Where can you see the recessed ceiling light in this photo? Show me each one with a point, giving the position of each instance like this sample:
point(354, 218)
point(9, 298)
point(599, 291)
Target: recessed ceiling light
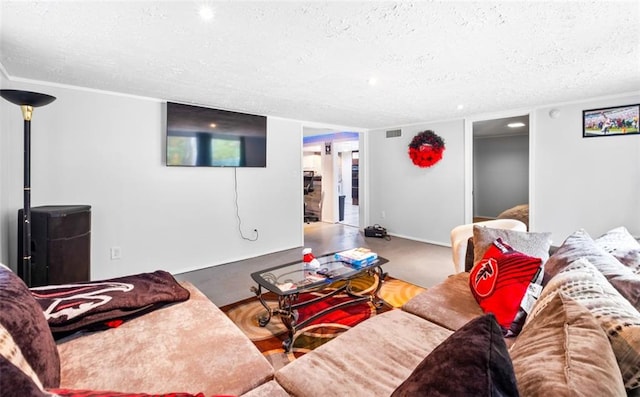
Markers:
point(515, 125)
point(460, 107)
point(373, 81)
point(213, 125)
point(206, 13)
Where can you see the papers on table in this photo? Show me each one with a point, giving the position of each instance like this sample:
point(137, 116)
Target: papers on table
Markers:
point(357, 257)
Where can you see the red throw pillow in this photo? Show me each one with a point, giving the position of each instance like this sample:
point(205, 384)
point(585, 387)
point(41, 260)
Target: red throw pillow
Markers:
point(506, 283)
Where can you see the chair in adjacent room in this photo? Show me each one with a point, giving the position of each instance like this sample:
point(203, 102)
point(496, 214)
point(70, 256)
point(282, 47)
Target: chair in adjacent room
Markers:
point(313, 213)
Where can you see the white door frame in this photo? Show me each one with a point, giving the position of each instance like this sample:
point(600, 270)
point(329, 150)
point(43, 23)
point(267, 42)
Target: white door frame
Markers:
point(468, 160)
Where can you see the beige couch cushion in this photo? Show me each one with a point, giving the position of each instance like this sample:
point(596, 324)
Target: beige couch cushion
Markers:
point(269, 389)
point(371, 359)
point(449, 304)
point(186, 347)
point(585, 284)
point(563, 351)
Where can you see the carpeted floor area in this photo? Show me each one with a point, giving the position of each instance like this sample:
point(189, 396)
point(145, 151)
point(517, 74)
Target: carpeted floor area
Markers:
point(268, 339)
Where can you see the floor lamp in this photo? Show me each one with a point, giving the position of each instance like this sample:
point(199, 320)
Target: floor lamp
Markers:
point(27, 101)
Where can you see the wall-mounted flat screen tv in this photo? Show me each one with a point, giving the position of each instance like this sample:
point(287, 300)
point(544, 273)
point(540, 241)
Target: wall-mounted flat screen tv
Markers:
point(204, 137)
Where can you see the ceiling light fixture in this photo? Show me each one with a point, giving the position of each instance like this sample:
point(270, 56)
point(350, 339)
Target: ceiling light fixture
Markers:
point(206, 13)
point(373, 81)
point(213, 125)
point(460, 107)
point(515, 125)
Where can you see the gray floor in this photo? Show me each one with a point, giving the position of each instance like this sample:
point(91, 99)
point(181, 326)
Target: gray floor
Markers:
point(419, 263)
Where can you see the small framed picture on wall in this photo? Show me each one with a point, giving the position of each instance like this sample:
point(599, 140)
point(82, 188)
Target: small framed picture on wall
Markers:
point(619, 120)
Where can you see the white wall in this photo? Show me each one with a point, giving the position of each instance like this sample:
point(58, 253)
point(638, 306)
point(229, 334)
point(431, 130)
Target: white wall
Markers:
point(590, 183)
point(106, 150)
point(346, 163)
point(329, 197)
point(500, 174)
point(419, 203)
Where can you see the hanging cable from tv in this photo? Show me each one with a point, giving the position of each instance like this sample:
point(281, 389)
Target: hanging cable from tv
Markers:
point(255, 231)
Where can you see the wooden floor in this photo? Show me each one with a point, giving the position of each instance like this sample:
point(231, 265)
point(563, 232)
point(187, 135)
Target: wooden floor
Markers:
point(419, 263)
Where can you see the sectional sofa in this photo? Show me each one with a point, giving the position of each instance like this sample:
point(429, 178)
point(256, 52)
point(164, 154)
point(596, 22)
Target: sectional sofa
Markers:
point(183, 347)
point(581, 337)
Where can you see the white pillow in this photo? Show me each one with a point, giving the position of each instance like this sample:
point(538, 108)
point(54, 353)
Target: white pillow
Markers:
point(622, 245)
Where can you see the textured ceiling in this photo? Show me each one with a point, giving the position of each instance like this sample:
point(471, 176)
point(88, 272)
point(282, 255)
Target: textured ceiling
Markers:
point(313, 60)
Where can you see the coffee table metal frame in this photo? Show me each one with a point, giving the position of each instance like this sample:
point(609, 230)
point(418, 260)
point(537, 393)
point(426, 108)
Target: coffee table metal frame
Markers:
point(331, 270)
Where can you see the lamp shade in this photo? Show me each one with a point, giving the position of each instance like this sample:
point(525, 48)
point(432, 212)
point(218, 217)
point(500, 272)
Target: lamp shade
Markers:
point(27, 98)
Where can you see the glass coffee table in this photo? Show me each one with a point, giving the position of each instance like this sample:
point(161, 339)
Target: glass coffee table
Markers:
point(288, 281)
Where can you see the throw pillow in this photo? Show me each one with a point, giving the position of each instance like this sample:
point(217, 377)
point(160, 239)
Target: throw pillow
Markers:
point(15, 383)
point(482, 368)
point(577, 356)
point(581, 245)
point(534, 244)
point(585, 284)
point(506, 283)
point(17, 378)
point(623, 246)
point(22, 317)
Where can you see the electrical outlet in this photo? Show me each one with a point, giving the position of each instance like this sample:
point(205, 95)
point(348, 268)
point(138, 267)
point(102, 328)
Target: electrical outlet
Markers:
point(116, 253)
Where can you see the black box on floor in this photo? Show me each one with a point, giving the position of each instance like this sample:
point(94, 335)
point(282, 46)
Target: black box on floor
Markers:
point(375, 231)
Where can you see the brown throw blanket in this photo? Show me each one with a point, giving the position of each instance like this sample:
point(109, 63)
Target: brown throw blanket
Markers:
point(98, 304)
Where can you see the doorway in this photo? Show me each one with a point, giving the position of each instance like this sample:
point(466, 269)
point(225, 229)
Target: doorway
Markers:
point(349, 185)
point(332, 157)
point(500, 162)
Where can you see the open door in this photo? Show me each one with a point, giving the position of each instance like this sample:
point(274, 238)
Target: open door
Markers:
point(500, 173)
point(331, 157)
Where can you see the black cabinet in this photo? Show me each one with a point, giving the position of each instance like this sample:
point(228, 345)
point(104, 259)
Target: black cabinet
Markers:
point(60, 244)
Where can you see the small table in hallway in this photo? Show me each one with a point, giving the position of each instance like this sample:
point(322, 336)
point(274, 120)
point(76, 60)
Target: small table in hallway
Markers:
point(288, 281)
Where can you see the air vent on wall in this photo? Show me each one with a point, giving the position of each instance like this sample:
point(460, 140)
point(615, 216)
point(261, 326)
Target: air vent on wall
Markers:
point(394, 133)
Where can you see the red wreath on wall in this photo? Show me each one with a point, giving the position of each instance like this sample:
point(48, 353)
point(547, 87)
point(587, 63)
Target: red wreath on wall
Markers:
point(426, 149)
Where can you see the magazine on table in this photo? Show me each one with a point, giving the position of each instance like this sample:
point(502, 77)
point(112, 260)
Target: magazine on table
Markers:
point(357, 257)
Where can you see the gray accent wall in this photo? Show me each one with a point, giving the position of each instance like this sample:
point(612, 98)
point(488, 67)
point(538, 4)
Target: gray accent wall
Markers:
point(500, 174)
